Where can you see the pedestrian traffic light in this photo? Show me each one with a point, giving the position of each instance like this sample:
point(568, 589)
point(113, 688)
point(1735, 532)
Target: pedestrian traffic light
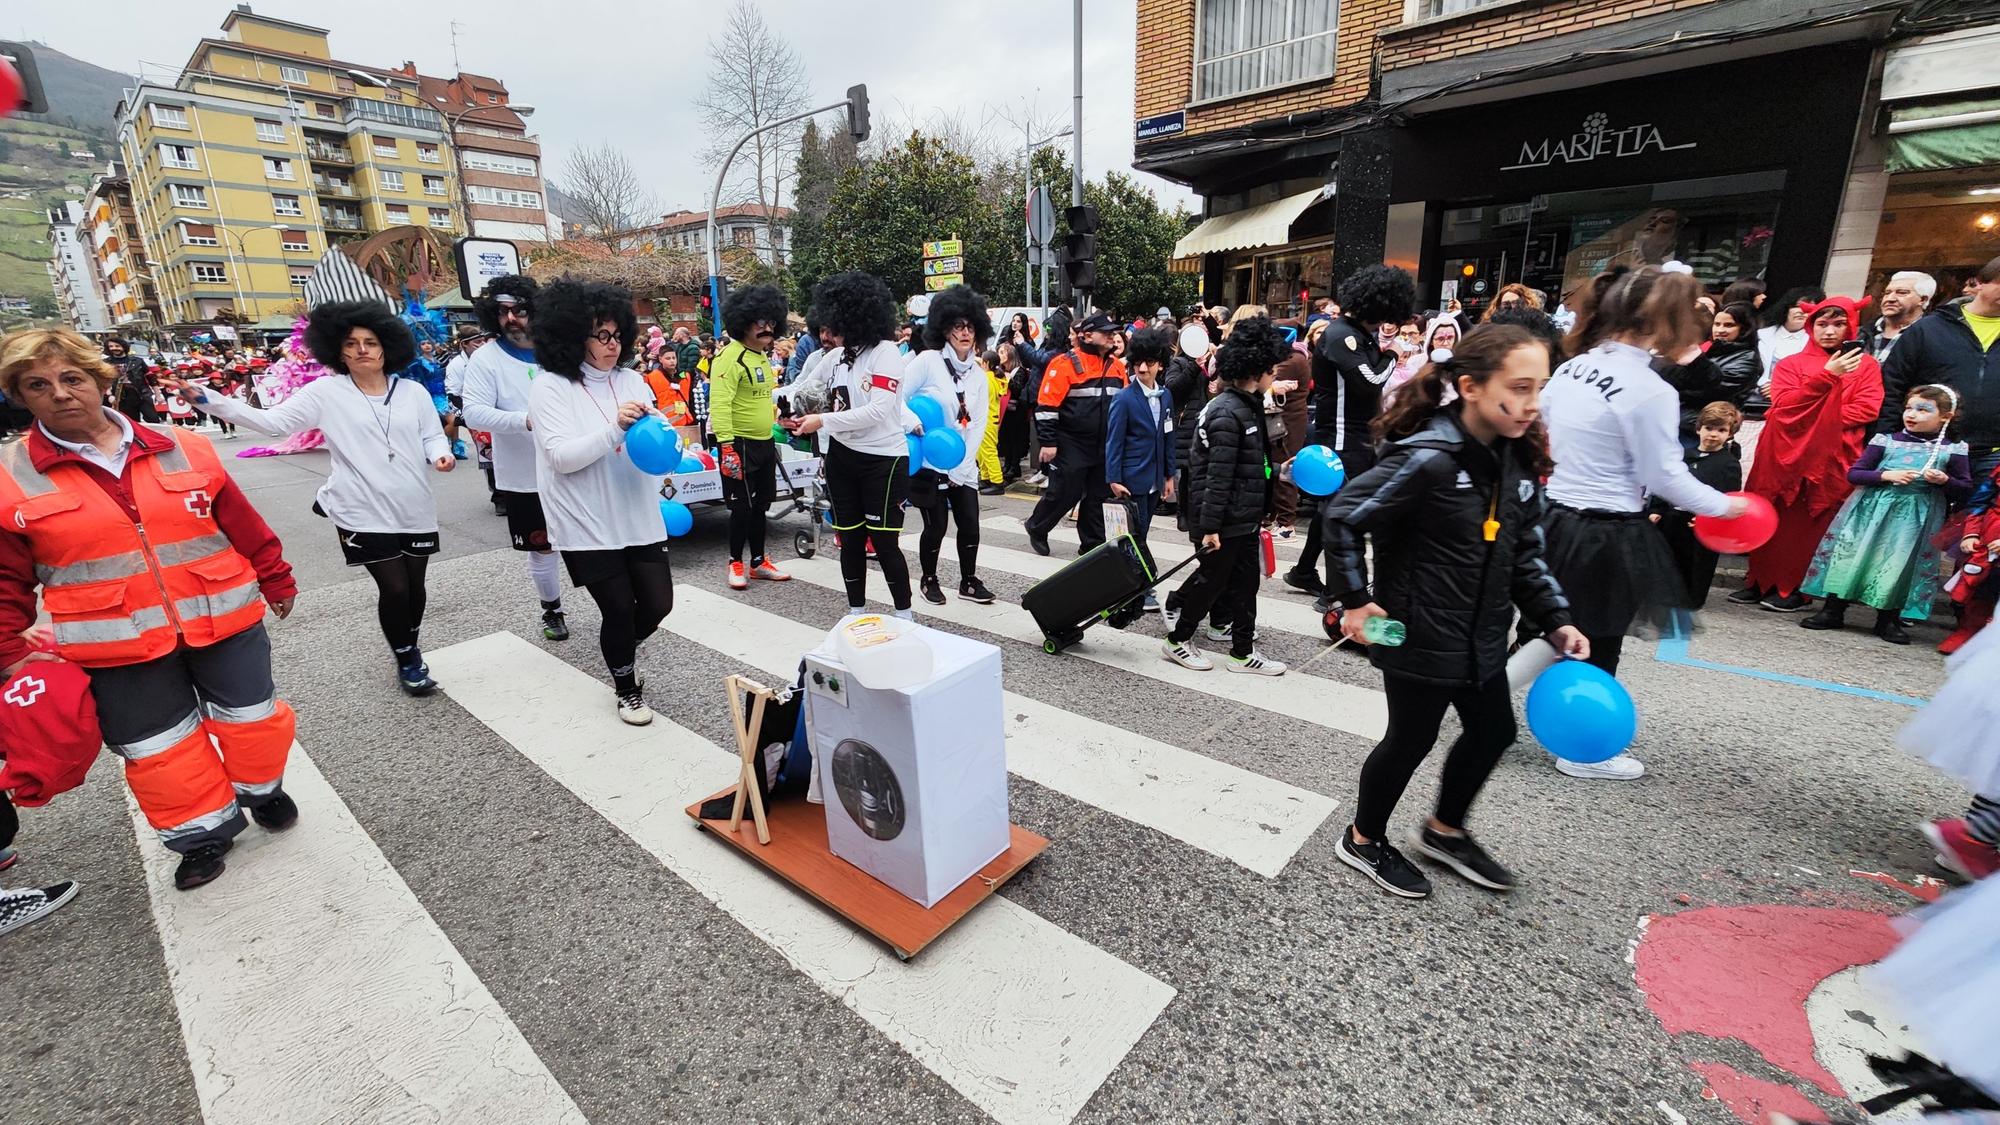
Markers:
point(857, 112)
point(29, 98)
point(1079, 249)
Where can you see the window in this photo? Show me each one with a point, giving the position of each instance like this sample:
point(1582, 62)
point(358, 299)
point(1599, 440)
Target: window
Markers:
point(286, 205)
point(276, 169)
point(193, 234)
point(498, 162)
point(414, 116)
point(433, 185)
point(190, 195)
point(342, 84)
point(273, 131)
point(440, 218)
point(393, 94)
point(209, 273)
point(1247, 45)
point(399, 214)
point(292, 74)
point(428, 154)
point(1431, 9)
point(506, 197)
point(742, 236)
point(386, 146)
point(301, 275)
point(323, 110)
point(391, 181)
point(169, 116)
point(177, 156)
point(294, 241)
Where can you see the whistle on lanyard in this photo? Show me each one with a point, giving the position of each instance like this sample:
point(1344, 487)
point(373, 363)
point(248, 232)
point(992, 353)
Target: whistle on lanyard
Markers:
point(1491, 528)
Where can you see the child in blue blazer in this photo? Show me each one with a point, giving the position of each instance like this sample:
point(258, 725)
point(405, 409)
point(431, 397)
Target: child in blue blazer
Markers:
point(1139, 438)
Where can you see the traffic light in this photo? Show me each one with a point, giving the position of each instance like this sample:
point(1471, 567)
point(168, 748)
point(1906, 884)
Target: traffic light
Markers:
point(30, 98)
point(857, 112)
point(1079, 249)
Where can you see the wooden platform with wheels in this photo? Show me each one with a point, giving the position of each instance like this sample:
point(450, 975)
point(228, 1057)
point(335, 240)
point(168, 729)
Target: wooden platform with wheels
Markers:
point(798, 854)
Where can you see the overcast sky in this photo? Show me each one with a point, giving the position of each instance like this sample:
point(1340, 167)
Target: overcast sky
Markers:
point(630, 72)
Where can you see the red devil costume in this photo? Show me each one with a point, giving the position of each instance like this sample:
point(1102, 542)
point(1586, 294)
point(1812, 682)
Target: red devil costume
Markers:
point(1813, 432)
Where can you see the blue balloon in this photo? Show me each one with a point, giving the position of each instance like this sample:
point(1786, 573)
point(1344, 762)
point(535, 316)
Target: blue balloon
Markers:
point(928, 411)
point(1581, 713)
point(689, 463)
point(653, 446)
point(943, 448)
point(1318, 472)
point(916, 445)
point(678, 516)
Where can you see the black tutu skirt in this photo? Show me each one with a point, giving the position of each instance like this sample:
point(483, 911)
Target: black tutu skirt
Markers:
point(1616, 570)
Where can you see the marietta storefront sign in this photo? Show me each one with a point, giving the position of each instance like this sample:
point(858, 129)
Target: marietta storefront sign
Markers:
point(1596, 140)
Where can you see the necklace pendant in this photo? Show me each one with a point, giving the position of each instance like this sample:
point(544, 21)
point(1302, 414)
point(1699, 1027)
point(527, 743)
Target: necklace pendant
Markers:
point(392, 455)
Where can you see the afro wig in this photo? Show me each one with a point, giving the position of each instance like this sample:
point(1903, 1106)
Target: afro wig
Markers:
point(1149, 345)
point(949, 307)
point(855, 306)
point(1378, 294)
point(328, 326)
point(1538, 324)
point(1253, 347)
point(747, 306)
point(568, 311)
point(514, 285)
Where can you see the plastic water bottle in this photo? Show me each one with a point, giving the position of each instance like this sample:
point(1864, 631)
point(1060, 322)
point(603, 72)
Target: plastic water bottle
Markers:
point(1385, 631)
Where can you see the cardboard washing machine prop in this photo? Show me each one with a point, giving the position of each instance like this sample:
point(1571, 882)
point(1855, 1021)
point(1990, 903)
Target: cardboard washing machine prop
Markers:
point(903, 829)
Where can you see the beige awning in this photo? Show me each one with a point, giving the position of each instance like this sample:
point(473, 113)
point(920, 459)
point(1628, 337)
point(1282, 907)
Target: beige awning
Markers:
point(1267, 224)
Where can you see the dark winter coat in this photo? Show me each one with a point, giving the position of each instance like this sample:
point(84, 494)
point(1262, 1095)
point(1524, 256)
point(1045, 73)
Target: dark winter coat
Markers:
point(1424, 506)
point(1724, 373)
point(1940, 348)
point(1139, 452)
point(1229, 478)
point(1349, 369)
point(1188, 384)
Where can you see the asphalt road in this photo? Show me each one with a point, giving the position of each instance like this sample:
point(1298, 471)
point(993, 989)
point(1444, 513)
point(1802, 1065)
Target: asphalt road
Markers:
point(493, 908)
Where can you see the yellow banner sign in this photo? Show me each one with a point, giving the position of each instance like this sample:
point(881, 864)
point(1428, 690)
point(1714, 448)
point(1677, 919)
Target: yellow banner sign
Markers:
point(950, 247)
point(942, 281)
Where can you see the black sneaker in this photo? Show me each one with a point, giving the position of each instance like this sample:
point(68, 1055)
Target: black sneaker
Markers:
point(1463, 855)
point(1305, 581)
point(1040, 543)
point(991, 489)
point(932, 592)
point(1889, 627)
point(1748, 595)
point(276, 814)
point(1832, 615)
point(1790, 603)
point(1381, 862)
point(200, 866)
point(499, 507)
point(973, 590)
point(554, 625)
point(20, 907)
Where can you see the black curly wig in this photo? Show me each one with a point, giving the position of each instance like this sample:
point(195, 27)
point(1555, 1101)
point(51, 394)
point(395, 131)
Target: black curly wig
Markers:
point(1538, 324)
point(567, 312)
point(513, 285)
point(857, 307)
point(1378, 294)
point(1149, 345)
point(951, 306)
point(745, 307)
point(1252, 348)
point(328, 326)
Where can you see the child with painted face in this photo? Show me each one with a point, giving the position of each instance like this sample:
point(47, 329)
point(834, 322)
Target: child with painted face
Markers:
point(1878, 551)
point(1453, 509)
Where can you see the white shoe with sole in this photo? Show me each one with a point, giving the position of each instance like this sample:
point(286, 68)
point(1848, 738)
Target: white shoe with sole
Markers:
point(1185, 655)
point(632, 709)
point(1624, 767)
point(1255, 665)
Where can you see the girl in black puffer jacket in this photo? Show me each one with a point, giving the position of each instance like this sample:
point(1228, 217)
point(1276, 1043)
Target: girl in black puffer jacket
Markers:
point(1453, 507)
point(1228, 494)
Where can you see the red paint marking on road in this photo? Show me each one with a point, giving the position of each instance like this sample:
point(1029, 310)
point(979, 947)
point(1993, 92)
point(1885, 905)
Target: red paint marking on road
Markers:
point(1753, 1099)
point(1744, 972)
point(1926, 887)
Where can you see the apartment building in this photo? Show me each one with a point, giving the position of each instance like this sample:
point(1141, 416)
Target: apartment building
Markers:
point(73, 270)
point(743, 226)
point(124, 275)
point(499, 163)
point(1482, 142)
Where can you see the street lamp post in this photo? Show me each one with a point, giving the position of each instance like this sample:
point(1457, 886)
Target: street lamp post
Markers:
point(243, 251)
point(458, 158)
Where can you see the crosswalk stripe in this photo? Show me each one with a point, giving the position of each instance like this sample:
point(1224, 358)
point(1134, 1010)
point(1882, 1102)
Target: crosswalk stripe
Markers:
point(1294, 615)
point(1244, 817)
point(1022, 1017)
point(1168, 543)
point(1313, 699)
point(312, 985)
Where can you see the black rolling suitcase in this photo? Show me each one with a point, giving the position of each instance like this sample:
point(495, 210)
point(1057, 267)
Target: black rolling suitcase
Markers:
point(1106, 583)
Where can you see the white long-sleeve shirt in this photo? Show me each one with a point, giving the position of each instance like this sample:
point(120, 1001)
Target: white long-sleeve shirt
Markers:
point(1774, 343)
point(870, 394)
point(1614, 431)
point(382, 448)
point(454, 374)
point(495, 393)
point(593, 496)
point(945, 377)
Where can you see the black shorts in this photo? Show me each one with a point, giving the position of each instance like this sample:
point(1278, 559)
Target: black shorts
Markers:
point(866, 489)
point(759, 485)
point(586, 567)
point(525, 522)
point(364, 547)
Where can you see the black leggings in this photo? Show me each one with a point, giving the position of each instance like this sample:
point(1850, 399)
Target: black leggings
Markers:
point(959, 504)
point(1223, 588)
point(867, 491)
point(854, 565)
point(400, 604)
point(632, 597)
point(1416, 709)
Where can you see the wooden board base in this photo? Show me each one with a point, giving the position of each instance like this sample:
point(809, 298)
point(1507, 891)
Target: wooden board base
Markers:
point(798, 854)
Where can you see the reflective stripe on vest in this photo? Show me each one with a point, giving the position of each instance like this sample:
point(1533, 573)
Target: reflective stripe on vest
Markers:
point(124, 627)
point(217, 604)
point(1091, 392)
point(206, 822)
point(161, 742)
point(253, 713)
point(130, 564)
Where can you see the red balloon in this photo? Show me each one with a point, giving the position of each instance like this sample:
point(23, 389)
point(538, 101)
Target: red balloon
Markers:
point(1742, 535)
point(11, 89)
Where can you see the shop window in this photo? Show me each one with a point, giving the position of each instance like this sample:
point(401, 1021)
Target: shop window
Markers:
point(1242, 46)
point(1281, 277)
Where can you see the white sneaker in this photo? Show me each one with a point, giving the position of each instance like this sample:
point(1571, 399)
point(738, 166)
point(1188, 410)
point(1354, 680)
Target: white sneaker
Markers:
point(1185, 655)
point(632, 709)
point(1170, 616)
point(1215, 634)
point(1624, 767)
point(1256, 665)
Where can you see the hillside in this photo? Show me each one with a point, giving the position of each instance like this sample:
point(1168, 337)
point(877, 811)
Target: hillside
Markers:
point(38, 165)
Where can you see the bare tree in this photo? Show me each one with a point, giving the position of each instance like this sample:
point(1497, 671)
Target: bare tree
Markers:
point(609, 192)
point(758, 79)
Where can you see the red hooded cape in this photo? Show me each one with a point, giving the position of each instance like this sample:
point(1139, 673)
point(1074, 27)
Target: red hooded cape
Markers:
point(1818, 422)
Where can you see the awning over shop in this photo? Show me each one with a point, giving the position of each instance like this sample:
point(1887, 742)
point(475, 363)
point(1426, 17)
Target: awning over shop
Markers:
point(1936, 137)
point(450, 299)
point(274, 324)
point(1267, 224)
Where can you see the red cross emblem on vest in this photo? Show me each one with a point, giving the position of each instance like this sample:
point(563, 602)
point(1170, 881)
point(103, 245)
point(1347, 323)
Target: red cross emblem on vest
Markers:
point(26, 690)
point(197, 502)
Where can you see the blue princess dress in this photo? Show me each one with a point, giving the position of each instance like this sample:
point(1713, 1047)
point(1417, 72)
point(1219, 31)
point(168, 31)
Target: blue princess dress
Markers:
point(1878, 551)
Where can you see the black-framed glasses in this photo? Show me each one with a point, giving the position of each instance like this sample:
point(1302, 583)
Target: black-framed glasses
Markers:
point(606, 337)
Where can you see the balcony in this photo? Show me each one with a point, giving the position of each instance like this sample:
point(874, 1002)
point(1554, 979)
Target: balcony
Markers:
point(335, 220)
point(322, 153)
point(334, 187)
